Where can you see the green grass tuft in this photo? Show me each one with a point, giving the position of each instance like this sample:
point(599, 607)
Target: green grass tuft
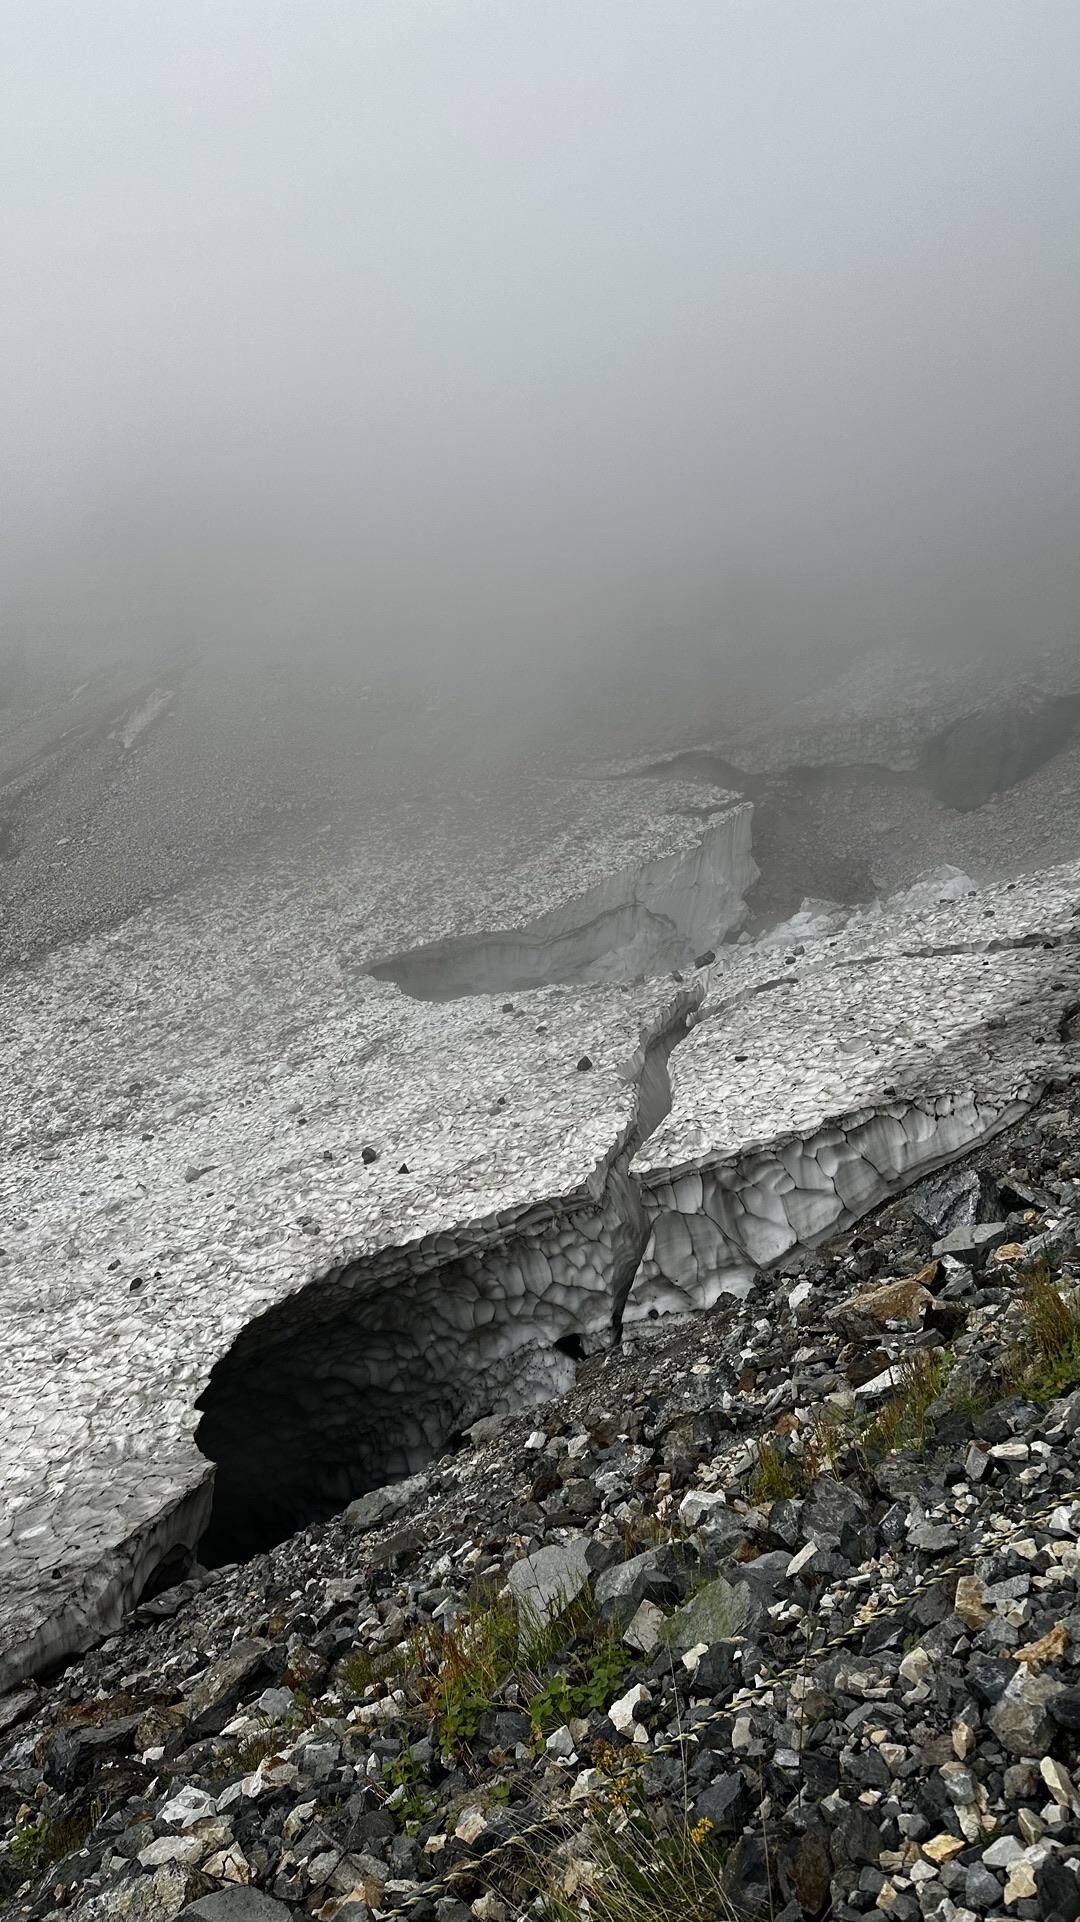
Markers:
point(644, 1875)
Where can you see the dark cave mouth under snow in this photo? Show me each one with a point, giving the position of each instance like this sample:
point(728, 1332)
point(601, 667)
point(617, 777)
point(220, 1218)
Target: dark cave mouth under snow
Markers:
point(339, 1393)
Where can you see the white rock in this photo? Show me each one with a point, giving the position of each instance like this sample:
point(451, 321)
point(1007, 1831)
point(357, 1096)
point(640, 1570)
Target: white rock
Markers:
point(188, 1806)
point(622, 1713)
point(643, 1632)
point(470, 1825)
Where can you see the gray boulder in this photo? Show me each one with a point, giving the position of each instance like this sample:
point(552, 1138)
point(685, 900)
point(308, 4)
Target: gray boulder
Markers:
point(716, 1613)
point(649, 1577)
point(1022, 1718)
point(952, 1200)
point(236, 1905)
point(972, 1245)
point(544, 1584)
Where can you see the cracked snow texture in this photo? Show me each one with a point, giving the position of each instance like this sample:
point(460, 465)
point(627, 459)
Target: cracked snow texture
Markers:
point(640, 920)
point(911, 1039)
point(187, 1099)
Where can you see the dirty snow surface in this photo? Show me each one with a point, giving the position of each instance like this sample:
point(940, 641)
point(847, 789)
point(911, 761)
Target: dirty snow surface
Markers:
point(221, 1129)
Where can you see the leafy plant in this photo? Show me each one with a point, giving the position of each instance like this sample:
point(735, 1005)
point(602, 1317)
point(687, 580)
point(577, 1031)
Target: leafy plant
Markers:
point(366, 1668)
point(467, 1664)
point(591, 1677)
point(36, 1845)
point(255, 1749)
point(777, 1476)
point(413, 1804)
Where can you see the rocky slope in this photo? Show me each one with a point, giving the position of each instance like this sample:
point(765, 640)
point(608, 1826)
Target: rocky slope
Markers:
point(780, 1606)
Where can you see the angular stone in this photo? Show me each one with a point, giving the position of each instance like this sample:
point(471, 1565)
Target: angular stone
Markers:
point(904, 1301)
point(942, 1848)
point(644, 1630)
point(725, 1803)
point(972, 1245)
point(544, 1584)
point(717, 1613)
point(188, 1806)
point(646, 1577)
point(968, 1602)
point(622, 1713)
point(1057, 1889)
point(1021, 1720)
point(958, 1198)
point(215, 1696)
point(982, 1889)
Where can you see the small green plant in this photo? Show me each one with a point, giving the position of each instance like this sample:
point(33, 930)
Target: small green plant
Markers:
point(902, 1420)
point(255, 1749)
point(413, 1805)
point(1047, 1361)
point(789, 1474)
point(36, 1845)
point(603, 1666)
point(777, 1476)
point(551, 1706)
point(591, 1676)
point(467, 1664)
point(644, 1875)
point(366, 1668)
point(640, 1531)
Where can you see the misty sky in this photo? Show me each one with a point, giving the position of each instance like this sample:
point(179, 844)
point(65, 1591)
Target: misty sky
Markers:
point(473, 327)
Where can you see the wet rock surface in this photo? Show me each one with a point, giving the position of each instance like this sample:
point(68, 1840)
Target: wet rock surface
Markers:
point(844, 1650)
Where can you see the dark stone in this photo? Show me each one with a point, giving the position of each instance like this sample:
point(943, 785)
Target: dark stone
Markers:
point(13, 1708)
point(820, 1774)
point(856, 1837)
point(217, 1694)
point(785, 1523)
point(649, 1576)
point(1065, 1709)
point(1058, 1890)
point(718, 1672)
point(982, 1888)
point(236, 1905)
point(955, 1199)
point(746, 1876)
point(971, 1245)
point(868, 1770)
point(832, 1510)
point(809, 1870)
point(930, 1607)
point(509, 1727)
point(764, 1575)
point(73, 1752)
point(988, 1678)
point(725, 1803)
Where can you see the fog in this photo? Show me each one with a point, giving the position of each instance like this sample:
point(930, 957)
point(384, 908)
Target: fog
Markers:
point(511, 336)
